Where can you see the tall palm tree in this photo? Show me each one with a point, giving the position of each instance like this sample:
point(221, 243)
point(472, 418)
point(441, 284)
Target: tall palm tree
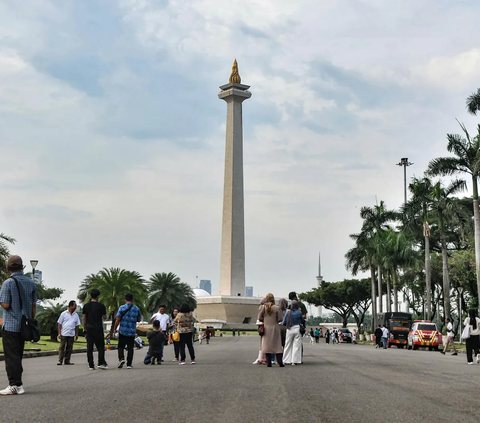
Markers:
point(398, 252)
point(473, 102)
point(166, 288)
point(415, 216)
point(466, 160)
point(4, 254)
point(375, 221)
point(446, 208)
point(114, 284)
point(47, 318)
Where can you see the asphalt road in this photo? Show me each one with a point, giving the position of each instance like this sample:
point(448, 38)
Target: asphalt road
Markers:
point(336, 383)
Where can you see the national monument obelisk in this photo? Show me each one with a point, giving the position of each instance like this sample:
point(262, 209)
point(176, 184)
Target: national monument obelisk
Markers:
point(232, 261)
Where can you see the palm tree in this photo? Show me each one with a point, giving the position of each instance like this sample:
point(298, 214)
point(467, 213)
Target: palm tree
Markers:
point(375, 221)
point(466, 160)
point(398, 252)
point(167, 289)
point(473, 102)
point(114, 284)
point(415, 216)
point(4, 254)
point(47, 319)
point(446, 209)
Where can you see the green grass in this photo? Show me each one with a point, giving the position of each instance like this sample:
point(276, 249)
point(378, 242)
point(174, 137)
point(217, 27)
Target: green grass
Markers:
point(46, 344)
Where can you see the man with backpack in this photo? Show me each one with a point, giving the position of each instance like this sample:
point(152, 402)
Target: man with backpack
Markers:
point(450, 337)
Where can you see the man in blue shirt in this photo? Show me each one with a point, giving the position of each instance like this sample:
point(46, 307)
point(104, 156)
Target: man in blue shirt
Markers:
point(127, 317)
point(13, 343)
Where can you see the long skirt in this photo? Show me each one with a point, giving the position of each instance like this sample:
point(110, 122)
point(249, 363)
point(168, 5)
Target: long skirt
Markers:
point(293, 346)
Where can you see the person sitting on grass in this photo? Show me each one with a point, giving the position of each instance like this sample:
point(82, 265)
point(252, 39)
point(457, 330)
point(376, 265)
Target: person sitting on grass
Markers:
point(156, 342)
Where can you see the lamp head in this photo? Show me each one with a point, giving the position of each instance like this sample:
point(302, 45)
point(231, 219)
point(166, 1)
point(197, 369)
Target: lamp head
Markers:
point(33, 263)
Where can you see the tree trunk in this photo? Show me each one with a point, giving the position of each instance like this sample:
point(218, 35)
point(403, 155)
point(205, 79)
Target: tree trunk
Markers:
point(428, 270)
point(476, 219)
point(380, 290)
point(389, 298)
point(446, 276)
point(395, 290)
point(374, 299)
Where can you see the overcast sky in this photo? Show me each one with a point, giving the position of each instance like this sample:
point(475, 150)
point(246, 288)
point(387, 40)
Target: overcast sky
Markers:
point(112, 136)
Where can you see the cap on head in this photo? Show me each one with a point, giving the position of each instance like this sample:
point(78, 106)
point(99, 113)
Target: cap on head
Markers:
point(14, 263)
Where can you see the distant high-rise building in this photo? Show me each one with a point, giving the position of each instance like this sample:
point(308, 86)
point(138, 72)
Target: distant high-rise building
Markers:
point(319, 284)
point(206, 285)
point(249, 291)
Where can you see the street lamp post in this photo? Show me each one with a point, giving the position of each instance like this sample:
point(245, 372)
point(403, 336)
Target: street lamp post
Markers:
point(404, 162)
point(460, 290)
point(33, 263)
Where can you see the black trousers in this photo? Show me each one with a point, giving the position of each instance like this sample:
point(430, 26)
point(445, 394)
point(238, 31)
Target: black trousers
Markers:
point(176, 348)
point(129, 341)
point(13, 345)
point(473, 345)
point(97, 339)
point(186, 338)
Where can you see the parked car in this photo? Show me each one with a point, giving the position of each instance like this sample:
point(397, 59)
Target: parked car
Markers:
point(347, 335)
point(424, 333)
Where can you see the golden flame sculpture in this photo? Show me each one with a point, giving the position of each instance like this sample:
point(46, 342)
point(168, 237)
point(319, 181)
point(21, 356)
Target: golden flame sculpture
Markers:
point(235, 77)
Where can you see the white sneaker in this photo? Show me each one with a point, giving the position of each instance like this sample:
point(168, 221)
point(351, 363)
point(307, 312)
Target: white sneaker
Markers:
point(103, 366)
point(478, 358)
point(129, 367)
point(12, 390)
point(471, 362)
point(256, 361)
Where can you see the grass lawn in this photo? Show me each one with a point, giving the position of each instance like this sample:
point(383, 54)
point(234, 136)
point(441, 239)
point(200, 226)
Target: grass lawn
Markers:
point(45, 344)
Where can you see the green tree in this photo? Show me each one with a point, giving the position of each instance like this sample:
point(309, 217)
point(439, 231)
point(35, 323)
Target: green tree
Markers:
point(345, 298)
point(447, 209)
point(473, 102)
point(47, 319)
point(114, 284)
point(4, 254)
point(44, 292)
point(466, 160)
point(166, 288)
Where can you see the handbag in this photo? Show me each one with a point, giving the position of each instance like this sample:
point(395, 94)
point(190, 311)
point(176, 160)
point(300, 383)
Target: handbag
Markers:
point(176, 335)
point(466, 332)
point(261, 330)
point(29, 327)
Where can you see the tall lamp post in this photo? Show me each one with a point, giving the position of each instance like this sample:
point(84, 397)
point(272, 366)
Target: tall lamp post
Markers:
point(33, 263)
point(460, 290)
point(404, 162)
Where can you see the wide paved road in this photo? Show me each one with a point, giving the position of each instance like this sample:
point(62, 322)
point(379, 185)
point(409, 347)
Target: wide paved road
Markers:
point(337, 383)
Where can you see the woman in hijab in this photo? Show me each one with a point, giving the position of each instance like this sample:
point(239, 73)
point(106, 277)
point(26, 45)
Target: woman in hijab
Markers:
point(292, 353)
point(327, 336)
point(271, 314)
point(283, 304)
point(473, 343)
point(261, 355)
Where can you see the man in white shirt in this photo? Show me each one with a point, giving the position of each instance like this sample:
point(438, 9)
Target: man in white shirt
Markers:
point(384, 336)
point(164, 320)
point(68, 324)
point(449, 339)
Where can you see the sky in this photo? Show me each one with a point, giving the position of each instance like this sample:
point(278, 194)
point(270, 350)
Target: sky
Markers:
point(112, 137)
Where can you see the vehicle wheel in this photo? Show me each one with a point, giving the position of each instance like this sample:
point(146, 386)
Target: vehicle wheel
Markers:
point(435, 348)
point(415, 347)
point(389, 345)
point(430, 348)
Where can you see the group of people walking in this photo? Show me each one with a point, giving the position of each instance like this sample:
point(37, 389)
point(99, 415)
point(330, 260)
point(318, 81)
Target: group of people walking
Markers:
point(281, 327)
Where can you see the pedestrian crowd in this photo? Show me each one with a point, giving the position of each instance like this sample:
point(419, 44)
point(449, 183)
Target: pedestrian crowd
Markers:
point(281, 327)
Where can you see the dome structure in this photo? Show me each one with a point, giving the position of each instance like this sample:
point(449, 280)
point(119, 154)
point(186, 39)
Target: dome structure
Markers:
point(200, 292)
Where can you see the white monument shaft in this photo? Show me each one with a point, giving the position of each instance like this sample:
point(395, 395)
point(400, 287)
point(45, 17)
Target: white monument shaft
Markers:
point(232, 262)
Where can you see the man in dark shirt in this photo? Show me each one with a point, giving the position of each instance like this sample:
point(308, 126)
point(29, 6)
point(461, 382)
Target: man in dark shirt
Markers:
point(156, 342)
point(13, 343)
point(93, 314)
